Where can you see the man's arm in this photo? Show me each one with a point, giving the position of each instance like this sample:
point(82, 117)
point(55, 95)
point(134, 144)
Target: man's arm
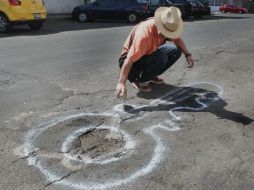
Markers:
point(121, 91)
point(180, 44)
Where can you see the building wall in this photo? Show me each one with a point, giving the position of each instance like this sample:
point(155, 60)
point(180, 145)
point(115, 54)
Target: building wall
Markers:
point(61, 6)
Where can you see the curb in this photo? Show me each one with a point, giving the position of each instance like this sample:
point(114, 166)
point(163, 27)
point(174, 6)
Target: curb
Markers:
point(59, 16)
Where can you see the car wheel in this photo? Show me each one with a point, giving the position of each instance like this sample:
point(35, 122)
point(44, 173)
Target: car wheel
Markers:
point(36, 25)
point(240, 12)
point(5, 25)
point(132, 17)
point(83, 17)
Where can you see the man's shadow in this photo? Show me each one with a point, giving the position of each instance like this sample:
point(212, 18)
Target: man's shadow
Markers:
point(187, 99)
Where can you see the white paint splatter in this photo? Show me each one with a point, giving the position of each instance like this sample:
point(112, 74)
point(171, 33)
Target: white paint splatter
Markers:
point(53, 176)
point(169, 99)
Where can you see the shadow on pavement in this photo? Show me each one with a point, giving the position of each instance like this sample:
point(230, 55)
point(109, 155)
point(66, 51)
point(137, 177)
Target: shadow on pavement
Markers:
point(216, 17)
point(187, 99)
point(57, 25)
point(52, 26)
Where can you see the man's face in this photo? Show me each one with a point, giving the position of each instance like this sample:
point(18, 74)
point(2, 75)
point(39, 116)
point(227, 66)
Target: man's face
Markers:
point(161, 35)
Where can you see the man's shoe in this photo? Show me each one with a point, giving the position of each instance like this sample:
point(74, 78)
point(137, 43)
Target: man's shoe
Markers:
point(143, 87)
point(157, 80)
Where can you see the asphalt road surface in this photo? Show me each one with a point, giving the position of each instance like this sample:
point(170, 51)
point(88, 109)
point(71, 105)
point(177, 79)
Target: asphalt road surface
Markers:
point(61, 128)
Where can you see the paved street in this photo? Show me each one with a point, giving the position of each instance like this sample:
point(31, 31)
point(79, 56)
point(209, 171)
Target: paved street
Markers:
point(61, 128)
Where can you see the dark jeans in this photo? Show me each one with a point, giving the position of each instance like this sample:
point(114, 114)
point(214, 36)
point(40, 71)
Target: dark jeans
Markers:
point(150, 66)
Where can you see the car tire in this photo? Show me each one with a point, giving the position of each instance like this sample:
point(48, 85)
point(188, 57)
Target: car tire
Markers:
point(133, 17)
point(83, 17)
point(240, 12)
point(36, 25)
point(5, 25)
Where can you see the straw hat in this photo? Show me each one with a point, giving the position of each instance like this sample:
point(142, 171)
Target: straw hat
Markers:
point(168, 21)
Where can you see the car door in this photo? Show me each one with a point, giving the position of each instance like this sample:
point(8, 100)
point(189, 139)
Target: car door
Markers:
point(234, 9)
point(227, 8)
point(155, 4)
point(231, 8)
point(100, 9)
point(118, 9)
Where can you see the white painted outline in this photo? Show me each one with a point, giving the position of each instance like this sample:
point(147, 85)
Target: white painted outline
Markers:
point(220, 93)
point(156, 159)
point(198, 100)
point(53, 176)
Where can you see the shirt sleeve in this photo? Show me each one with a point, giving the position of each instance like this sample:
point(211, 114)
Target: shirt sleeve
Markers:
point(139, 47)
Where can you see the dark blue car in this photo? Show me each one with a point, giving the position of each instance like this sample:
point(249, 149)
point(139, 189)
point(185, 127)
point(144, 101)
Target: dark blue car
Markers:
point(131, 10)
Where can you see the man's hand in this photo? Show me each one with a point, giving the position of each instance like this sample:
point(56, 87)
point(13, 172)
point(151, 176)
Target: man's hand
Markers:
point(121, 91)
point(190, 61)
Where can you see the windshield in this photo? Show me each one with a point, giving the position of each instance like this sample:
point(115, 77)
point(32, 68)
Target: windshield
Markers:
point(199, 3)
point(168, 2)
point(142, 1)
point(179, 1)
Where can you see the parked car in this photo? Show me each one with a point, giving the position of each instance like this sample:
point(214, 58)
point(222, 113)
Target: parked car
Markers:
point(232, 9)
point(198, 9)
point(31, 12)
point(131, 10)
point(186, 7)
point(183, 5)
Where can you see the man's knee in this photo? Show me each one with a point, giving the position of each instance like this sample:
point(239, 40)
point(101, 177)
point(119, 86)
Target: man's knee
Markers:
point(178, 53)
point(175, 55)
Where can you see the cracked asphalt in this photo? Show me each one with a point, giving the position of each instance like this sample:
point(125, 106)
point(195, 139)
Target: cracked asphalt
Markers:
point(69, 68)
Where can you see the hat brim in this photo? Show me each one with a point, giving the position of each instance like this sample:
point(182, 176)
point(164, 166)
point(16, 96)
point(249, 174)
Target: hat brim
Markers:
point(162, 29)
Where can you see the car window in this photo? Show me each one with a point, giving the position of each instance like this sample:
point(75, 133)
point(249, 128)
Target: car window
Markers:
point(98, 1)
point(103, 2)
point(128, 1)
point(142, 1)
point(193, 3)
point(168, 2)
point(119, 1)
point(180, 1)
point(199, 3)
point(155, 2)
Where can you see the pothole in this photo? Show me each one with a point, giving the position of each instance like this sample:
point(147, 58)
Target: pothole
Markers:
point(97, 145)
point(97, 142)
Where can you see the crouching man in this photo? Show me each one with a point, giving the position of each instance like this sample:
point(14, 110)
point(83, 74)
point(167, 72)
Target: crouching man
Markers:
point(145, 55)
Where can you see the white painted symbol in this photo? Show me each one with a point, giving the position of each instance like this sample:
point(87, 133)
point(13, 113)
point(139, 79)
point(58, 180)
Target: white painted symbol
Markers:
point(39, 159)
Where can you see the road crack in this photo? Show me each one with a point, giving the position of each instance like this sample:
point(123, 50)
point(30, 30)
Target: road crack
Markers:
point(17, 160)
point(77, 93)
point(62, 178)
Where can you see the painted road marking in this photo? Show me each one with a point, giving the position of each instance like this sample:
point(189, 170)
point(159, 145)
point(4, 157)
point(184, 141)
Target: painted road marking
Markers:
point(171, 101)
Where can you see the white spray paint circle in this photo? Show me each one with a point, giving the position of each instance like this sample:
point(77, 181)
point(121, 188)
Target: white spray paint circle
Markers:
point(54, 176)
point(155, 160)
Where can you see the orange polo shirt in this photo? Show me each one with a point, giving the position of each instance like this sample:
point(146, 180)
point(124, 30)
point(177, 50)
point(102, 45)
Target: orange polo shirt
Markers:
point(143, 40)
